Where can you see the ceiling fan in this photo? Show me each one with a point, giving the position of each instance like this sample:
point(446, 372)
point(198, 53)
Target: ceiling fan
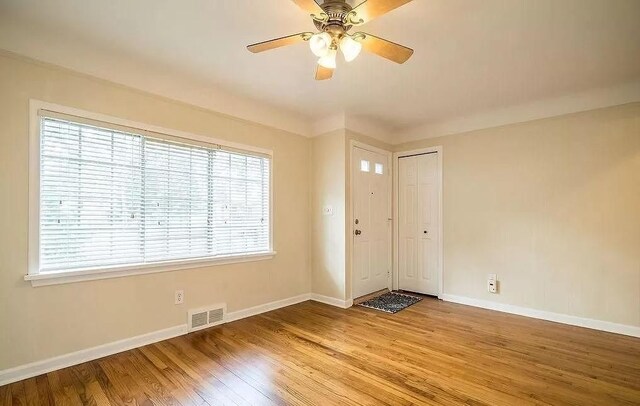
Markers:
point(334, 19)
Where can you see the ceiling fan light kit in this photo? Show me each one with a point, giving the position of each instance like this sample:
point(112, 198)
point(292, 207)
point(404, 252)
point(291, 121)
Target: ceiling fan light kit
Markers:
point(334, 19)
point(350, 48)
point(320, 44)
point(329, 59)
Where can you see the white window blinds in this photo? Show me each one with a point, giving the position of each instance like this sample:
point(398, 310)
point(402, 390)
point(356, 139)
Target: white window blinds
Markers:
point(113, 198)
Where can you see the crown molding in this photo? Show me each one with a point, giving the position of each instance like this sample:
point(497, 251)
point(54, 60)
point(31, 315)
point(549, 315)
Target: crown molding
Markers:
point(545, 108)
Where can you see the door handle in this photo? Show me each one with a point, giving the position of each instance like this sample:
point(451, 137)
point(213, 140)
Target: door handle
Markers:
point(357, 232)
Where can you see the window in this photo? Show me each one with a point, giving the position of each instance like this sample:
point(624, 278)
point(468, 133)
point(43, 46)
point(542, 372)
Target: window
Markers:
point(364, 165)
point(112, 196)
point(379, 169)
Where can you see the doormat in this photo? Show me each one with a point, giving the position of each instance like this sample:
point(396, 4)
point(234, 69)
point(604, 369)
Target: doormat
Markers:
point(391, 302)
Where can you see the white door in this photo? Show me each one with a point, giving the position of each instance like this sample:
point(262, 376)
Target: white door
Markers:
point(371, 225)
point(418, 224)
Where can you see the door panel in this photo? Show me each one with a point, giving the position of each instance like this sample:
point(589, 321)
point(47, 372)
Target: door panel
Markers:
point(418, 225)
point(372, 244)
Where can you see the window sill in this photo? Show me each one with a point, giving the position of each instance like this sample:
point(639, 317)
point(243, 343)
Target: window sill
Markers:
point(60, 277)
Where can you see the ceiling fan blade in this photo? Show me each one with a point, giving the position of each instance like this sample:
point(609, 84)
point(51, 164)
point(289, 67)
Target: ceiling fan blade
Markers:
point(279, 42)
point(310, 6)
point(370, 9)
point(386, 49)
point(323, 73)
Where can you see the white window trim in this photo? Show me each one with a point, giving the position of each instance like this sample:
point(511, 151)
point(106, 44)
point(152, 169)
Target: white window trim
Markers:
point(50, 278)
point(89, 274)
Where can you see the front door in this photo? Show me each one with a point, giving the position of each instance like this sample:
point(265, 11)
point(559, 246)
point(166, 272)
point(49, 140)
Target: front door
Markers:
point(418, 224)
point(371, 224)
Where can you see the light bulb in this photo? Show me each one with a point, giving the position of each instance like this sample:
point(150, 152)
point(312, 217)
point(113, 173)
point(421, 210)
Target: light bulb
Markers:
point(350, 48)
point(329, 60)
point(320, 43)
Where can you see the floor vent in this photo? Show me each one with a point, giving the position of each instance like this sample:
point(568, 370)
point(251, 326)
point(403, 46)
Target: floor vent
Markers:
point(206, 317)
point(216, 316)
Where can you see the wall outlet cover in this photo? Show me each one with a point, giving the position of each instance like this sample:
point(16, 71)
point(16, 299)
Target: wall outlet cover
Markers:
point(179, 297)
point(492, 283)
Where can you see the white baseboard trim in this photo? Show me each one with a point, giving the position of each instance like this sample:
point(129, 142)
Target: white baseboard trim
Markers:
point(42, 367)
point(601, 325)
point(343, 304)
point(263, 308)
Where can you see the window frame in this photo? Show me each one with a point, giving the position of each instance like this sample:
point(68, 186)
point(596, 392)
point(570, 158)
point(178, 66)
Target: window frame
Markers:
point(66, 276)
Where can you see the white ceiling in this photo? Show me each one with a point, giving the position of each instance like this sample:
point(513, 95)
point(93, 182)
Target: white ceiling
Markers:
point(475, 61)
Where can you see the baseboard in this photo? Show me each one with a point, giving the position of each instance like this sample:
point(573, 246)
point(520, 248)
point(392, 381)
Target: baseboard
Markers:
point(601, 325)
point(343, 304)
point(42, 367)
point(267, 307)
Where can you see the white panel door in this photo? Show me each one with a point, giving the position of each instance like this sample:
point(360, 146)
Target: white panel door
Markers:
point(418, 224)
point(371, 228)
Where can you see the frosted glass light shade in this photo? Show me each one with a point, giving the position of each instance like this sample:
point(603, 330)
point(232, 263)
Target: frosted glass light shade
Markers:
point(350, 48)
point(320, 44)
point(329, 60)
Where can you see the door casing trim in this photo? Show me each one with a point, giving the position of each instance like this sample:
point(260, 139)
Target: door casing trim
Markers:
point(396, 180)
point(350, 219)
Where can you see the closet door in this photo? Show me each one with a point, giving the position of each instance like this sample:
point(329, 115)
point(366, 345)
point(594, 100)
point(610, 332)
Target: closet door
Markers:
point(418, 224)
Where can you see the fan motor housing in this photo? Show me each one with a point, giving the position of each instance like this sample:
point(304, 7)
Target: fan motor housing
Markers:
point(336, 11)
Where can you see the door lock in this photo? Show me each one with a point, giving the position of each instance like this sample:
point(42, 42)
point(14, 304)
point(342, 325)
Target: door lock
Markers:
point(358, 232)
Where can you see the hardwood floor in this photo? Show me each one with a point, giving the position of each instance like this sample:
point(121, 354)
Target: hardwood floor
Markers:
point(310, 353)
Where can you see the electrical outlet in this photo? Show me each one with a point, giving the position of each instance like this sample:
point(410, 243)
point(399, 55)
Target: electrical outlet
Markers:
point(492, 283)
point(179, 297)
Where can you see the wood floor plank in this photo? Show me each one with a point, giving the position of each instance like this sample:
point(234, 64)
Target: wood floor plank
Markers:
point(60, 396)
point(45, 398)
point(147, 376)
point(433, 353)
point(32, 397)
point(5, 395)
point(18, 395)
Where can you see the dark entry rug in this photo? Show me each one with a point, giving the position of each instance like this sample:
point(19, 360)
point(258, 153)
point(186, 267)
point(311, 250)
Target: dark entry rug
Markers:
point(391, 302)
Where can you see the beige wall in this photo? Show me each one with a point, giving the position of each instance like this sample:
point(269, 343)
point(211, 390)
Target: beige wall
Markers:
point(37, 323)
point(331, 235)
point(328, 181)
point(553, 207)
